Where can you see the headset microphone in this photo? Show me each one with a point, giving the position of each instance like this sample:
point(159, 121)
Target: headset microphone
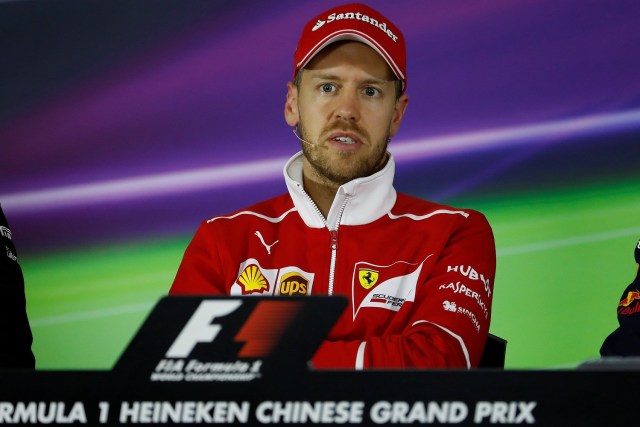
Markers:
point(297, 136)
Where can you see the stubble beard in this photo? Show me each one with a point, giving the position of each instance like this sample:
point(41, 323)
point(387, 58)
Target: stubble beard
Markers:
point(329, 174)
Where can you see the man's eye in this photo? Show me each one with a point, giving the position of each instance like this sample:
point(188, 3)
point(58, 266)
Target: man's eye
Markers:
point(327, 87)
point(371, 91)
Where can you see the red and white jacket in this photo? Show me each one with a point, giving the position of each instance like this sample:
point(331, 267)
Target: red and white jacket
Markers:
point(418, 275)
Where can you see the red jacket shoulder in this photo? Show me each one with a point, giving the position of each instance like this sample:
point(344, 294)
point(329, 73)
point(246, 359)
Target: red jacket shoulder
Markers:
point(271, 208)
point(406, 204)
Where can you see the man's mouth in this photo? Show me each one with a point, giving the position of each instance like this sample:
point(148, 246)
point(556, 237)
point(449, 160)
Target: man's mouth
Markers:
point(344, 140)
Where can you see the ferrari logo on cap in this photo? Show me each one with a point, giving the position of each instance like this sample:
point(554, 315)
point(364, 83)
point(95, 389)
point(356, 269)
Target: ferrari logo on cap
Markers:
point(368, 278)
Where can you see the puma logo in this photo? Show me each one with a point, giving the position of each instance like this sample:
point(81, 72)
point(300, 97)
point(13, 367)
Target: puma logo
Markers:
point(267, 247)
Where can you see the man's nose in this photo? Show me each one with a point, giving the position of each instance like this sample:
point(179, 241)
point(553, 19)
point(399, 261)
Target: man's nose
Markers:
point(348, 106)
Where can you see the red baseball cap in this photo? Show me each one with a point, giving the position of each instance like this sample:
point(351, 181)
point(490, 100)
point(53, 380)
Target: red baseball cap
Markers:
point(353, 22)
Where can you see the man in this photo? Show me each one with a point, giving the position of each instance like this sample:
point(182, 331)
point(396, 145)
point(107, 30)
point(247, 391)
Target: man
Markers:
point(418, 275)
point(15, 335)
point(625, 340)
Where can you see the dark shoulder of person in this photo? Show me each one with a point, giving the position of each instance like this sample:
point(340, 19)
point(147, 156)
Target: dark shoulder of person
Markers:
point(15, 331)
point(625, 340)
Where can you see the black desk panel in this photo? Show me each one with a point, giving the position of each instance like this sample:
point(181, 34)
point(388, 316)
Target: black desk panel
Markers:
point(547, 398)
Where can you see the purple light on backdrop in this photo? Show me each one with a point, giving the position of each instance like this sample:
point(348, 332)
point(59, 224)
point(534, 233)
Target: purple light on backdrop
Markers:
point(150, 186)
point(156, 185)
point(559, 131)
point(212, 93)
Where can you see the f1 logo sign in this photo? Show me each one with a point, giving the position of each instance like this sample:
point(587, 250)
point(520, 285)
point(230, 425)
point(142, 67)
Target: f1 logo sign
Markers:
point(260, 332)
point(199, 328)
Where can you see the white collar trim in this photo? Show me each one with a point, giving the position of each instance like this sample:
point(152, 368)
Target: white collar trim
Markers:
point(364, 199)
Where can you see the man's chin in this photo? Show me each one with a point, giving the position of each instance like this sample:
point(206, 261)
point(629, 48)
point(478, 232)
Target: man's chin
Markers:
point(338, 169)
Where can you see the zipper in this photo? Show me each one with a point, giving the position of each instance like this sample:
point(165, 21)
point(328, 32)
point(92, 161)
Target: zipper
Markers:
point(334, 254)
point(334, 245)
point(334, 236)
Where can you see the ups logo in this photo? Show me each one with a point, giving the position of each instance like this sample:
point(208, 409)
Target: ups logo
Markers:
point(293, 284)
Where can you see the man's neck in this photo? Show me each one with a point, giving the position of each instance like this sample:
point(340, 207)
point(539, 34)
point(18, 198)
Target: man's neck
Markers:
point(321, 193)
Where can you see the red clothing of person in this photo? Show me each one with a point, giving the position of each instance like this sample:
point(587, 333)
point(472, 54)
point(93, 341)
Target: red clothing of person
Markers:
point(418, 275)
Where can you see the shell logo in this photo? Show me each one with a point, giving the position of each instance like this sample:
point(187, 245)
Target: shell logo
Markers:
point(252, 280)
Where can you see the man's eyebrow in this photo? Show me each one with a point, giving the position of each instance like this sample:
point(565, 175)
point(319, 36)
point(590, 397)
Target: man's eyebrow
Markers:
point(327, 76)
point(377, 81)
point(324, 76)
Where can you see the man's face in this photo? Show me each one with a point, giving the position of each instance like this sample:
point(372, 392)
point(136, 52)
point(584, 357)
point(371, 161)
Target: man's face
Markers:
point(346, 107)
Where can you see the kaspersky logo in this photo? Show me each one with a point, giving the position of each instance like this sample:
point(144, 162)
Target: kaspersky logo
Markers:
point(252, 280)
point(359, 17)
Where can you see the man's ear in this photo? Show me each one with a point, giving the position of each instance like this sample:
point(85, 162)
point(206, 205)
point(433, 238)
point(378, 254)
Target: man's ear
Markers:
point(398, 114)
point(291, 113)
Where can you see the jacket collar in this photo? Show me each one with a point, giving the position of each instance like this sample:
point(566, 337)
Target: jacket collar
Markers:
point(357, 202)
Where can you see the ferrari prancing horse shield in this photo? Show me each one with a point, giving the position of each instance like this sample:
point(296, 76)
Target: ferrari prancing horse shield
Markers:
point(368, 278)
